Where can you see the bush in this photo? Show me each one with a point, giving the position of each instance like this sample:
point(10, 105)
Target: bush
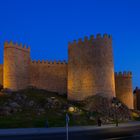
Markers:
point(1, 87)
point(6, 90)
point(135, 115)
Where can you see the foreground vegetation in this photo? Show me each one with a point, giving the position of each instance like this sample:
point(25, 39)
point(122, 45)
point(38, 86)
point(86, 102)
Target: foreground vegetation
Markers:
point(23, 113)
point(35, 108)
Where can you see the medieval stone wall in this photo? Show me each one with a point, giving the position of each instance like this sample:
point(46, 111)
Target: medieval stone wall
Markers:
point(1, 74)
point(91, 68)
point(51, 76)
point(90, 71)
point(16, 66)
point(123, 87)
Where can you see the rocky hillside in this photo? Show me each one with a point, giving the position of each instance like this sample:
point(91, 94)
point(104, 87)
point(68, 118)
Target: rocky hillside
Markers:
point(34, 107)
point(107, 109)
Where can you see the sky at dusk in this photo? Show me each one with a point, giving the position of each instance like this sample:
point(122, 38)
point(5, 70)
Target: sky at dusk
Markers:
point(48, 25)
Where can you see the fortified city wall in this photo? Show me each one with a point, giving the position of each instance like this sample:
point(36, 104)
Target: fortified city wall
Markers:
point(123, 87)
point(51, 76)
point(91, 68)
point(90, 71)
point(20, 71)
point(1, 74)
point(16, 66)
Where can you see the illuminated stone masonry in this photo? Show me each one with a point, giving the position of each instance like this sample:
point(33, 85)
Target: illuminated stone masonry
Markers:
point(89, 71)
point(91, 68)
point(124, 90)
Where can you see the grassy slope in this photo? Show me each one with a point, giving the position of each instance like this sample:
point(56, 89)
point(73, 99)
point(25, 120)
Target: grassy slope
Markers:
point(29, 118)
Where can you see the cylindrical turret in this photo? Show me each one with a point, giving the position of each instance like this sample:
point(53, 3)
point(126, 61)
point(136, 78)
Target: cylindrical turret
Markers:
point(91, 68)
point(16, 66)
point(123, 87)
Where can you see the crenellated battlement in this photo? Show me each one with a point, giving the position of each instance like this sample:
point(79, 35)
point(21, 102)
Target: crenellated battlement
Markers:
point(123, 74)
point(88, 72)
point(123, 87)
point(48, 62)
point(16, 66)
point(91, 39)
point(91, 59)
point(17, 46)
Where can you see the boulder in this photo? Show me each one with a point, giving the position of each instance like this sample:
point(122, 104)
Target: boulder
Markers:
point(14, 105)
point(5, 111)
point(31, 103)
point(18, 97)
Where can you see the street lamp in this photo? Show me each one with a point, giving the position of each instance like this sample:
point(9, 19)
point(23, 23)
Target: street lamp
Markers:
point(116, 104)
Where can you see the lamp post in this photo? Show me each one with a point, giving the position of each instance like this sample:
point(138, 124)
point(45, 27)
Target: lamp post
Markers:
point(116, 104)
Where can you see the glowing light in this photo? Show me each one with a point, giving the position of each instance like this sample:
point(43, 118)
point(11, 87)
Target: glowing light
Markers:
point(71, 109)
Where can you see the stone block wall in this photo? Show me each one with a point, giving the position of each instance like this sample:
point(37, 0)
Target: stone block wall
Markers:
point(90, 71)
point(51, 76)
point(123, 87)
point(16, 66)
point(91, 68)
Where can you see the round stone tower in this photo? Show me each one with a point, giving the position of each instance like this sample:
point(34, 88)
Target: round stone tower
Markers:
point(124, 90)
point(91, 68)
point(16, 66)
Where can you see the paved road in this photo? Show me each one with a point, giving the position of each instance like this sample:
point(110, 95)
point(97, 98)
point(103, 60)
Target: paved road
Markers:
point(127, 133)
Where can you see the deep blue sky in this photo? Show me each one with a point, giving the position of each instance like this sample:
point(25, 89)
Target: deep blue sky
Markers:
point(48, 25)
